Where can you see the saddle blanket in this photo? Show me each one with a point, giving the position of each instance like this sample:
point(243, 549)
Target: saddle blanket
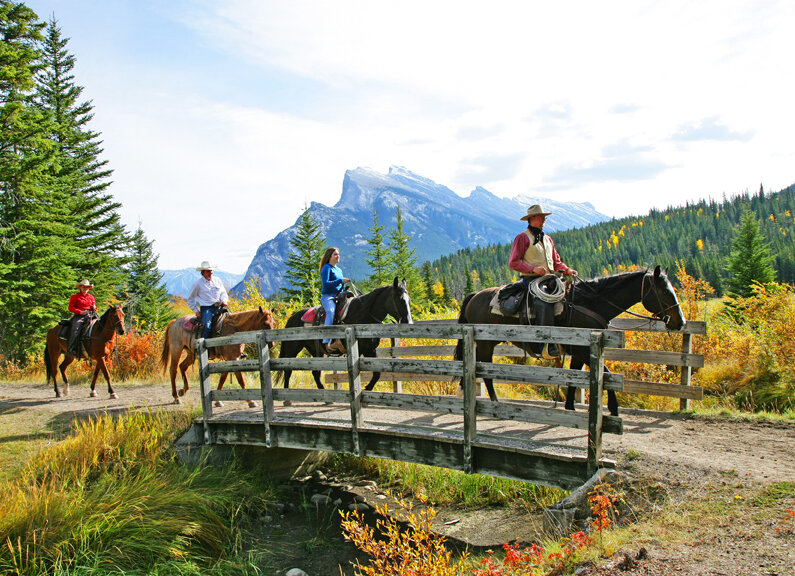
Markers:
point(309, 315)
point(191, 324)
point(313, 313)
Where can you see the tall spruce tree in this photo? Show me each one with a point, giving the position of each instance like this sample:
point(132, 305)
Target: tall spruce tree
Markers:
point(78, 170)
point(147, 302)
point(304, 259)
point(402, 257)
point(378, 260)
point(750, 259)
point(32, 276)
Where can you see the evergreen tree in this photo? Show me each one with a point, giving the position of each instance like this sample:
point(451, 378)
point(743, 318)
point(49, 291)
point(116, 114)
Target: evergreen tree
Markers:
point(304, 259)
point(378, 260)
point(401, 256)
point(32, 275)
point(750, 259)
point(100, 241)
point(427, 280)
point(147, 302)
point(469, 285)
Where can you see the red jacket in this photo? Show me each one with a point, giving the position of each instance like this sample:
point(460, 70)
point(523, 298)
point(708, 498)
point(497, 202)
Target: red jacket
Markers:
point(79, 302)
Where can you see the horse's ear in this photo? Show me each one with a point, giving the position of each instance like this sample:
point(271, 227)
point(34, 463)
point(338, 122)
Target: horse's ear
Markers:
point(395, 282)
point(261, 311)
point(404, 285)
point(657, 271)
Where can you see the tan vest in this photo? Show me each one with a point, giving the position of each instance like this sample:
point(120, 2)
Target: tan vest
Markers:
point(539, 254)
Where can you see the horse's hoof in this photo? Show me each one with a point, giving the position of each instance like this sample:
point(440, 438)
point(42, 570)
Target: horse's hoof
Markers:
point(93, 394)
point(219, 404)
point(177, 400)
point(288, 402)
point(57, 394)
point(252, 404)
point(66, 391)
point(181, 392)
point(114, 396)
point(567, 407)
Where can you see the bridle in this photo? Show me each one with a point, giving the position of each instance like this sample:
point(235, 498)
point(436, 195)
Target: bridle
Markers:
point(662, 313)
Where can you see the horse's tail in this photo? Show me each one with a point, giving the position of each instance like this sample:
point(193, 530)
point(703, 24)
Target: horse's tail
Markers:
point(166, 347)
point(47, 364)
point(459, 347)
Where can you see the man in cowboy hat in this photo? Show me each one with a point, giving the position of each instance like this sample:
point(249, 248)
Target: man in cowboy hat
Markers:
point(533, 255)
point(206, 296)
point(82, 305)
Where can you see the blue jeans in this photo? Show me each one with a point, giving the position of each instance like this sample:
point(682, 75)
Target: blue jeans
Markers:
point(207, 319)
point(327, 301)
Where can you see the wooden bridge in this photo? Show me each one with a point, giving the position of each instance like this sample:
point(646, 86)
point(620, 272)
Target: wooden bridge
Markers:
point(511, 438)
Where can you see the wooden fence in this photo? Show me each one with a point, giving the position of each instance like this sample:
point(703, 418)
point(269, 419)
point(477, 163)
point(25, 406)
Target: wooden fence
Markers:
point(473, 437)
point(685, 359)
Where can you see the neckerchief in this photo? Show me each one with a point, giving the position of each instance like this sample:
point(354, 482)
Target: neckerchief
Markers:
point(538, 234)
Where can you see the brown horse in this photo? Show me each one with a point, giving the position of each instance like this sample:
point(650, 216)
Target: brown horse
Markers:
point(99, 345)
point(177, 339)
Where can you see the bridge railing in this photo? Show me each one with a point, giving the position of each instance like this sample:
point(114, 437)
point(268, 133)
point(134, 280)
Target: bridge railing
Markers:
point(478, 452)
point(685, 359)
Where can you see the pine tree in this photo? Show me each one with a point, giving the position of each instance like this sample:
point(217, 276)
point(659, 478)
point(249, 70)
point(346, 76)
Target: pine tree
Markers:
point(401, 256)
point(469, 285)
point(78, 171)
point(427, 280)
point(304, 259)
point(750, 259)
point(32, 275)
point(378, 260)
point(147, 302)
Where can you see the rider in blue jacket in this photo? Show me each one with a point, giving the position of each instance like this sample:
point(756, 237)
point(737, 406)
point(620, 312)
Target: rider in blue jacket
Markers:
point(333, 283)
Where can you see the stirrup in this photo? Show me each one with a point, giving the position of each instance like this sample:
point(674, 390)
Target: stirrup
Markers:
point(551, 352)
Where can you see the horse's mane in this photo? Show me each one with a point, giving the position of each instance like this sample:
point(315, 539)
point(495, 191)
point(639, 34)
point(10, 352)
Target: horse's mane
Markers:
point(237, 319)
point(104, 318)
point(596, 288)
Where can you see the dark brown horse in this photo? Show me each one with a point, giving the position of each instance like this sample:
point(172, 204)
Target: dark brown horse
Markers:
point(99, 346)
point(178, 339)
point(591, 304)
point(371, 308)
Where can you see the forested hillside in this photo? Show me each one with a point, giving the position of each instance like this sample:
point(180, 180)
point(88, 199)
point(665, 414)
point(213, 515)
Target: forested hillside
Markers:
point(699, 234)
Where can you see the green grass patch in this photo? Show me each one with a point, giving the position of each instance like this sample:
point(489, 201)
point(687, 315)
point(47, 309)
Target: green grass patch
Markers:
point(443, 486)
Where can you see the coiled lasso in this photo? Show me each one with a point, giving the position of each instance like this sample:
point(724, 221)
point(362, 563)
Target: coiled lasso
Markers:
point(553, 297)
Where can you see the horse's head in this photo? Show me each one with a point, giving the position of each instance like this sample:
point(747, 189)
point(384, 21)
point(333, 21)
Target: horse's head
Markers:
point(267, 322)
point(117, 318)
point(400, 308)
point(660, 299)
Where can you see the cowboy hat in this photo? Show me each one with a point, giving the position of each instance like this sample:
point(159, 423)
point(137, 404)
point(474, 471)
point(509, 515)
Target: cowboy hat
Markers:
point(205, 265)
point(535, 210)
point(84, 283)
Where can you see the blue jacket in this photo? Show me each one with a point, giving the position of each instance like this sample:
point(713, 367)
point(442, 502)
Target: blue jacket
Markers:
point(331, 277)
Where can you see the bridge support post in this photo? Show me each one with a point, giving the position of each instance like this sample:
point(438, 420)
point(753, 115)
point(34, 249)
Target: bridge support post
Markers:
point(355, 386)
point(596, 375)
point(200, 347)
point(266, 385)
point(470, 397)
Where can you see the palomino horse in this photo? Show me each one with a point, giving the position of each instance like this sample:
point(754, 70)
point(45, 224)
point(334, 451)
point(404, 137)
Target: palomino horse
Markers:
point(177, 339)
point(371, 308)
point(591, 304)
point(100, 345)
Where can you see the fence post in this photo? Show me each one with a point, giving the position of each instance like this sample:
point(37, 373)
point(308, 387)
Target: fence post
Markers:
point(596, 377)
point(206, 385)
point(468, 381)
point(355, 386)
point(687, 371)
point(266, 384)
point(397, 385)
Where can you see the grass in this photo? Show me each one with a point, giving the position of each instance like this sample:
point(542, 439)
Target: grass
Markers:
point(443, 486)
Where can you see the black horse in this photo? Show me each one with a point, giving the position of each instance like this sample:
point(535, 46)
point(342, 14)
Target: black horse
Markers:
point(371, 308)
point(591, 304)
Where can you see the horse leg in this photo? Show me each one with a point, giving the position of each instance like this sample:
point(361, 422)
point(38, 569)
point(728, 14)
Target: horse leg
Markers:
point(577, 363)
point(183, 370)
point(612, 400)
point(62, 369)
point(221, 382)
point(101, 365)
point(52, 365)
point(242, 382)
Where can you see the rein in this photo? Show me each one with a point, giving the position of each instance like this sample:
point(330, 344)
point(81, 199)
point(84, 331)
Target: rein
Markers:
point(594, 315)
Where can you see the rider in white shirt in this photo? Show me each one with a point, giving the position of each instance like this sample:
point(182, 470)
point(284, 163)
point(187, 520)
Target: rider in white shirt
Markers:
point(206, 295)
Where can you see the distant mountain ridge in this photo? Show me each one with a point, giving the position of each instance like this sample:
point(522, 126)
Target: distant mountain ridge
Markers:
point(179, 282)
point(436, 218)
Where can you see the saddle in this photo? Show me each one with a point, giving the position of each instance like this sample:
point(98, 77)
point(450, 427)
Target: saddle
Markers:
point(316, 316)
point(516, 301)
point(65, 329)
point(192, 323)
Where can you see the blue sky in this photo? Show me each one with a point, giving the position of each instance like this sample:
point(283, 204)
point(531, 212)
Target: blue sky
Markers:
point(223, 119)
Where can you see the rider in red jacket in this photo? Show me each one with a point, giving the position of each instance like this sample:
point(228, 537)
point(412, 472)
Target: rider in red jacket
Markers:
point(82, 305)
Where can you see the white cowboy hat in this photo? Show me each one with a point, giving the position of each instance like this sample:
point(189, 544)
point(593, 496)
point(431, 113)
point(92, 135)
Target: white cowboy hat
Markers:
point(535, 210)
point(84, 283)
point(205, 265)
